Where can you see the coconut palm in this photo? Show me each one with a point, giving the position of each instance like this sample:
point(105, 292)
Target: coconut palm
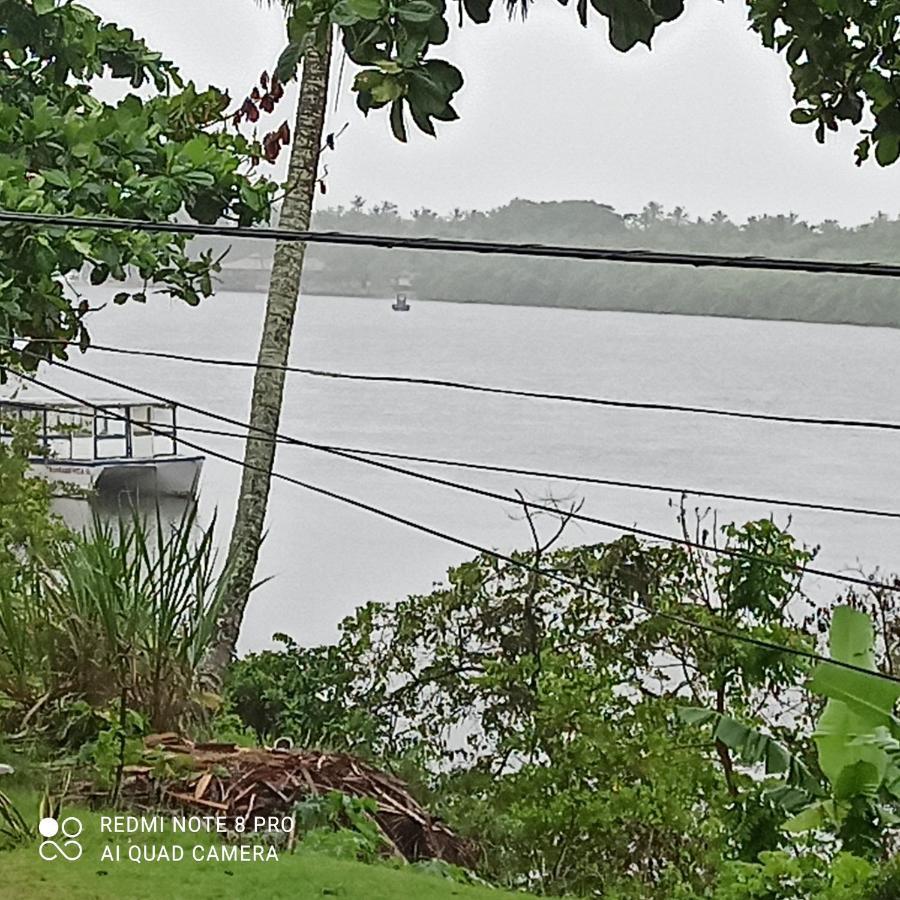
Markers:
point(274, 348)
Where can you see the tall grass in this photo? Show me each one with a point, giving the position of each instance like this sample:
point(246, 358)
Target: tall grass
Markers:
point(124, 615)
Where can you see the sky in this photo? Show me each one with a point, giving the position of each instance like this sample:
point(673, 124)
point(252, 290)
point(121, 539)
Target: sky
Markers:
point(550, 111)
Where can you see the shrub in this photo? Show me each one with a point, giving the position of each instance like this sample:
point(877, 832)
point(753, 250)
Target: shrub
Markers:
point(122, 616)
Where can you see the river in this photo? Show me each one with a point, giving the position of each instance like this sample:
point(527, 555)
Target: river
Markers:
point(323, 558)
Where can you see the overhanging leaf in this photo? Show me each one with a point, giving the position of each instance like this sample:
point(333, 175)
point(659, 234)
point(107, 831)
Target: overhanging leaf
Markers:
point(852, 640)
point(288, 62)
point(666, 10)
point(478, 11)
point(417, 12)
point(887, 150)
point(366, 9)
point(398, 126)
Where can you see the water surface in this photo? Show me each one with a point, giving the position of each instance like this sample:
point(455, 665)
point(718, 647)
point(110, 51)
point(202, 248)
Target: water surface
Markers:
point(325, 558)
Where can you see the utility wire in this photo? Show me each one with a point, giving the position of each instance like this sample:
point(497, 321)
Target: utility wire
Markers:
point(581, 479)
point(487, 389)
point(551, 574)
point(618, 526)
point(552, 251)
point(513, 470)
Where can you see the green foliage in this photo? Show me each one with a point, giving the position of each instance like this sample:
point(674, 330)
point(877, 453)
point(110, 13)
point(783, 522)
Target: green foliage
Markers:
point(301, 693)
point(31, 539)
point(14, 828)
point(229, 728)
point(62, 150)
point(127, 611)
point(28, 529)
point(118, 742)
point(542, 716)
point(857, 741)
point(615, 802)
point(391, 42)
point(341, 826)
point(845, 62)
point(18, 828)
point(844, 56)
point(782, 876)
point(753, 747)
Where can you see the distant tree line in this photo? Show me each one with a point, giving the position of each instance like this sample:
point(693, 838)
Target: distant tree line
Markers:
point(362, 271)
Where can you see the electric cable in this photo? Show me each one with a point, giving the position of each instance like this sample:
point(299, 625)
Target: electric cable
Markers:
point(489, 389)
point(553, 575)
point(618, 526)
point(526, 472)
point(447, 245)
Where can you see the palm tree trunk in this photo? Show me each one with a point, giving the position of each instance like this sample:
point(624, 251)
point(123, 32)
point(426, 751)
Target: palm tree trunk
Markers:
point(274, 347)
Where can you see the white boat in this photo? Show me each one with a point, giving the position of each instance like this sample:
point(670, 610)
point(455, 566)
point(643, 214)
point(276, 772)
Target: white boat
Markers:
point(108, 447)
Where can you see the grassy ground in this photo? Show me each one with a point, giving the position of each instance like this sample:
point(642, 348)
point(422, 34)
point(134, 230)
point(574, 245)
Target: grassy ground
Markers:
point(300, 876)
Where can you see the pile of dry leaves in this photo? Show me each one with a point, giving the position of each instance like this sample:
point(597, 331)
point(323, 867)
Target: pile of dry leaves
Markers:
point(229, 781)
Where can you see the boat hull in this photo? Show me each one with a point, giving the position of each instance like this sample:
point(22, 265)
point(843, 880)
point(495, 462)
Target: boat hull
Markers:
point(176, 476)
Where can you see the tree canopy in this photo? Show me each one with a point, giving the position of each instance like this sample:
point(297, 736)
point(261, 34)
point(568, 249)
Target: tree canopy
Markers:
point(844, 55)
point(64, 150)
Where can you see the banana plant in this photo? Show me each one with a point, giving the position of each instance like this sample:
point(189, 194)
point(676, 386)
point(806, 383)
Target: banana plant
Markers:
point(793, 787)
point(857, 738)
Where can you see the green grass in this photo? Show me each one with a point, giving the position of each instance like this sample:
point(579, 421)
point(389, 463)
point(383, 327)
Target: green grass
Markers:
point(299, 876)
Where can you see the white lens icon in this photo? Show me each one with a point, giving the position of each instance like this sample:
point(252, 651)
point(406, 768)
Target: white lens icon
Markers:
point(48, 828)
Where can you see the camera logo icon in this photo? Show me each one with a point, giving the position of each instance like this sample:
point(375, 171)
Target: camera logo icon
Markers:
point(68, 848)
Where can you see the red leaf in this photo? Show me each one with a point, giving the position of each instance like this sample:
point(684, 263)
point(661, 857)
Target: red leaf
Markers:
point(271, 146)
point(250, 110)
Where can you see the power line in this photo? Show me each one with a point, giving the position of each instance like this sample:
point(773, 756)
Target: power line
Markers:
point(447, 245)
point(529, 473)
point(462, 542)
point(502, 391)
point(582, 479)
point(632, 529)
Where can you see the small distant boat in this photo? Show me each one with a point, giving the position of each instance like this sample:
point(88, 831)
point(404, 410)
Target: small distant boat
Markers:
point(400, 304)
point(108, 447)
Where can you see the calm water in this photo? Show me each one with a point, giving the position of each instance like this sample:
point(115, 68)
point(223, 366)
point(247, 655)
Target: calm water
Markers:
point(325, 558)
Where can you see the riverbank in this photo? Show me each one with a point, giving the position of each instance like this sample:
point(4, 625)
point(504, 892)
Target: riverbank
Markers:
point(796, 316)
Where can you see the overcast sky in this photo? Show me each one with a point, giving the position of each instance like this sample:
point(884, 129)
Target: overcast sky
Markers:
point(550, 111)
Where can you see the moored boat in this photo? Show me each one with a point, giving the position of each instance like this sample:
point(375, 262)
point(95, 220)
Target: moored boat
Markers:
point(109, 447)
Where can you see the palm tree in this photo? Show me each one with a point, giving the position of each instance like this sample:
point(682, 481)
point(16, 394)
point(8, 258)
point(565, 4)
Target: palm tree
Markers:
point(274, 348)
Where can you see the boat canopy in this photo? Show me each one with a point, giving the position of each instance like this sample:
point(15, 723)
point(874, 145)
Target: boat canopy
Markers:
point(101, 430)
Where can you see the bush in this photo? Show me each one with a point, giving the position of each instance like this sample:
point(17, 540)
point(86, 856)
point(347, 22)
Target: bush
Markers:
point(301, 693)
point(781, 876)
point(123, 616)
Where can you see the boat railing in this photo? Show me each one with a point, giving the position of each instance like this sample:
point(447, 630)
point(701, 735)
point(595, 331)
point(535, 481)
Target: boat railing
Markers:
point(114, 430)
